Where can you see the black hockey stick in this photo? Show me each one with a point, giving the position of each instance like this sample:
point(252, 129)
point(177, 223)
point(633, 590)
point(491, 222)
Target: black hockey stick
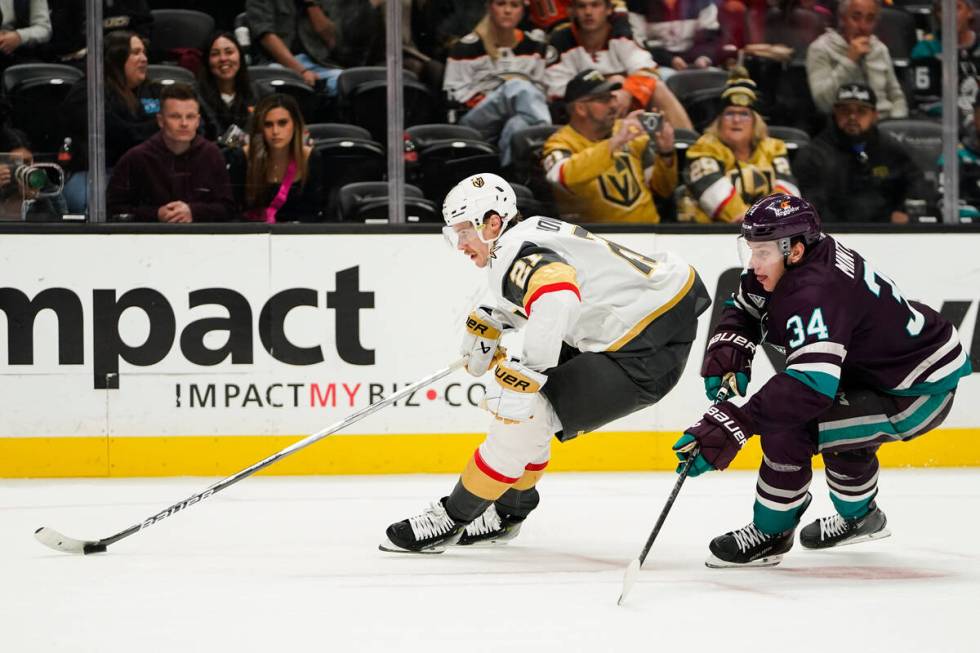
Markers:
point(55, 540)
point(633, 570)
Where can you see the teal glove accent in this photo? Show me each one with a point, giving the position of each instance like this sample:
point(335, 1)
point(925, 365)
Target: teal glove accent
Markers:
point(712, 384)
point(682, 449)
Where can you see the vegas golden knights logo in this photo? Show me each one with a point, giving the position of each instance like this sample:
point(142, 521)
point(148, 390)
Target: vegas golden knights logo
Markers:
point(478, 182)
point(620, 185)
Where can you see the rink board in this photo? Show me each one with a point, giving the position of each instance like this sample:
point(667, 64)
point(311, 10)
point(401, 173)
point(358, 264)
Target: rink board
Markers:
point(200, 354)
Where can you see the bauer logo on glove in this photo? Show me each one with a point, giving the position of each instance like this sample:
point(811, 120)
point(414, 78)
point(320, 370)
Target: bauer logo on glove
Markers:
point(513, 396)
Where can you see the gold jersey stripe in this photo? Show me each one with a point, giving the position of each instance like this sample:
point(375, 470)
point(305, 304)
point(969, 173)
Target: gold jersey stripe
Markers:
point(645, 322)
point(529, 479)
point(548, 274)
point(479, 483)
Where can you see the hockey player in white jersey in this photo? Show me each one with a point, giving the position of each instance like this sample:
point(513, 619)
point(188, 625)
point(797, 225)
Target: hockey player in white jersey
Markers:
point(607, 331)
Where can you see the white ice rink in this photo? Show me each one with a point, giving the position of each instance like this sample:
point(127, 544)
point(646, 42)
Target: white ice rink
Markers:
point(291, 564)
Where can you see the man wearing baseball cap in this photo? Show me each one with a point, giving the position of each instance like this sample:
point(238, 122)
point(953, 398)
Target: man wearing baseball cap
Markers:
point(852, 172)
point(603, 169)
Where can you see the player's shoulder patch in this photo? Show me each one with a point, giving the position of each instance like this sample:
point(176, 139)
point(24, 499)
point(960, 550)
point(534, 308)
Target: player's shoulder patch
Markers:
point(620, 24)
point(563, 39)
point(468, 47)
point(529, 258)
point(537, 35)
point(470, 38)
point(554, 158)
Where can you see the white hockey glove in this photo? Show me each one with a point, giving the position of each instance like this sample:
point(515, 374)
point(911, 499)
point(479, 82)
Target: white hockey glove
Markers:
point(481, 342)
point(511, 398)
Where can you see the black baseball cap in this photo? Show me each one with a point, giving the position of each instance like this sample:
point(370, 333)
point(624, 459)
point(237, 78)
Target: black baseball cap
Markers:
point(855, 92)
point(588, 82)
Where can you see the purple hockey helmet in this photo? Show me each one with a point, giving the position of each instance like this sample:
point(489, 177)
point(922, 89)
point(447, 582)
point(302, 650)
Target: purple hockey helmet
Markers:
point(782, 217)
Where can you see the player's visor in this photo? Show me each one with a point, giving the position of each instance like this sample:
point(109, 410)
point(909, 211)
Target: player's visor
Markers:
point(757, 254)
point(461, 234)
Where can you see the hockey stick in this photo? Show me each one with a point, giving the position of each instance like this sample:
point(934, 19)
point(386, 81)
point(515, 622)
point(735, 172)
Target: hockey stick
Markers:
point(633, 570)
point(55, 540)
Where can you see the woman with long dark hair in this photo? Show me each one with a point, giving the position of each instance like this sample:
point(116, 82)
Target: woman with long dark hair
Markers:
point(131, 106)
point(227, 95)
point(282, 177)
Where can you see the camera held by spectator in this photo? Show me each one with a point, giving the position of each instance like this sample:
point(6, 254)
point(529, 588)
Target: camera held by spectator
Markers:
point(23, 182)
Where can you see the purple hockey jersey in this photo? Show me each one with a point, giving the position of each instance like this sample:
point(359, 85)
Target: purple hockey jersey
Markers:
point(839, 320)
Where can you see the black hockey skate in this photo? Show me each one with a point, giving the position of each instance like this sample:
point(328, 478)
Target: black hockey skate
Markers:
point(835, 530)
point(750, 547)
point(489, 529)
point(433, 531)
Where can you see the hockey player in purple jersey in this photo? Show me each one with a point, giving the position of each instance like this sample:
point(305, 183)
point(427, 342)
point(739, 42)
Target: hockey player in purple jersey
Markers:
point(864, 366)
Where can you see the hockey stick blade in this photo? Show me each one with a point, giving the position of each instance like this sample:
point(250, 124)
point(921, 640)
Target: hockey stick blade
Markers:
point(633, 570)
point(629, 579)
point(55, 540)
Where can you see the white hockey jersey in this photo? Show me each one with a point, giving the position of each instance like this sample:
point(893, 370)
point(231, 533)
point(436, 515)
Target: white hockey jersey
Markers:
point(622, 55)
point(472, 73)
point(620, 292)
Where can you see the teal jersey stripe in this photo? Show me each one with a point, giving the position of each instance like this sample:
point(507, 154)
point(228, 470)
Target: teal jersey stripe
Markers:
point(772, 521)
point(825, 384)
point(942, 386)
point(921, 414)
point(858, 431)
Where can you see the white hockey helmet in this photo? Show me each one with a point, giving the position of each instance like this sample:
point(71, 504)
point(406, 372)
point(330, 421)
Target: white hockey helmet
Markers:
point(471, 199)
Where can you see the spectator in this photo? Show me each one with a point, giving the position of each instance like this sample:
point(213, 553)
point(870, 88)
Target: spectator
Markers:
point(735, 162)
point(968, 154)
point(680, 33)
point(175, 176)
point(854, 173)
point(19, 201)
point(498, 72)
point(24, 28)
point(68, 39)
point(601, 39)
point(131, 105)
point(853, 54)
point(281, 177)
point(227, 96)
point(603, 169)
point(310, 39)
point(926, 59)
point(548, 15)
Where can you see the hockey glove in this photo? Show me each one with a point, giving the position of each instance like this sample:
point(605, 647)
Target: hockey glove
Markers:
point(727, 352)
point(511, 398)
point(481, 342)
point(719, 436)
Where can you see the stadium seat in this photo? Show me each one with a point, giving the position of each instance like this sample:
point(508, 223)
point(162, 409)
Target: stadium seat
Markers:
point(896, 29)
point(703, 106)
point(795, 139)
point(684, 83)
point(528, 204)
point(367, 104)
point(797, 30)
point(348, 160)
point(443, 163)
point(166, 75)
point(368, 202)
point(322, 131)
point(526, 146)
point(922, 140)
point(53, 73)
point(178, 28)
point(685, 138)
point(425, 135)
point(35, 93)
point(272, 74)
point(304, 95)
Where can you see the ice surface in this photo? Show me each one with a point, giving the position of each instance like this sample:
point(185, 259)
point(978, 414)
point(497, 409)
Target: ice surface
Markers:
point(291, 564)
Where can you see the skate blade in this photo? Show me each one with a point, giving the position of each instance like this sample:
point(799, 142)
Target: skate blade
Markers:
point(391, 547)
point(879, 535)
point(717, 563)
point(487, 544)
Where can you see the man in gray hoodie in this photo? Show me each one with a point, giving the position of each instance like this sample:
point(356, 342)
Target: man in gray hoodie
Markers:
point(853, 54)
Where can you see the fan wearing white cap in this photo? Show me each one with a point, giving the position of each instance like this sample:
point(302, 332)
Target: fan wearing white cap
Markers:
point(607, 331)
